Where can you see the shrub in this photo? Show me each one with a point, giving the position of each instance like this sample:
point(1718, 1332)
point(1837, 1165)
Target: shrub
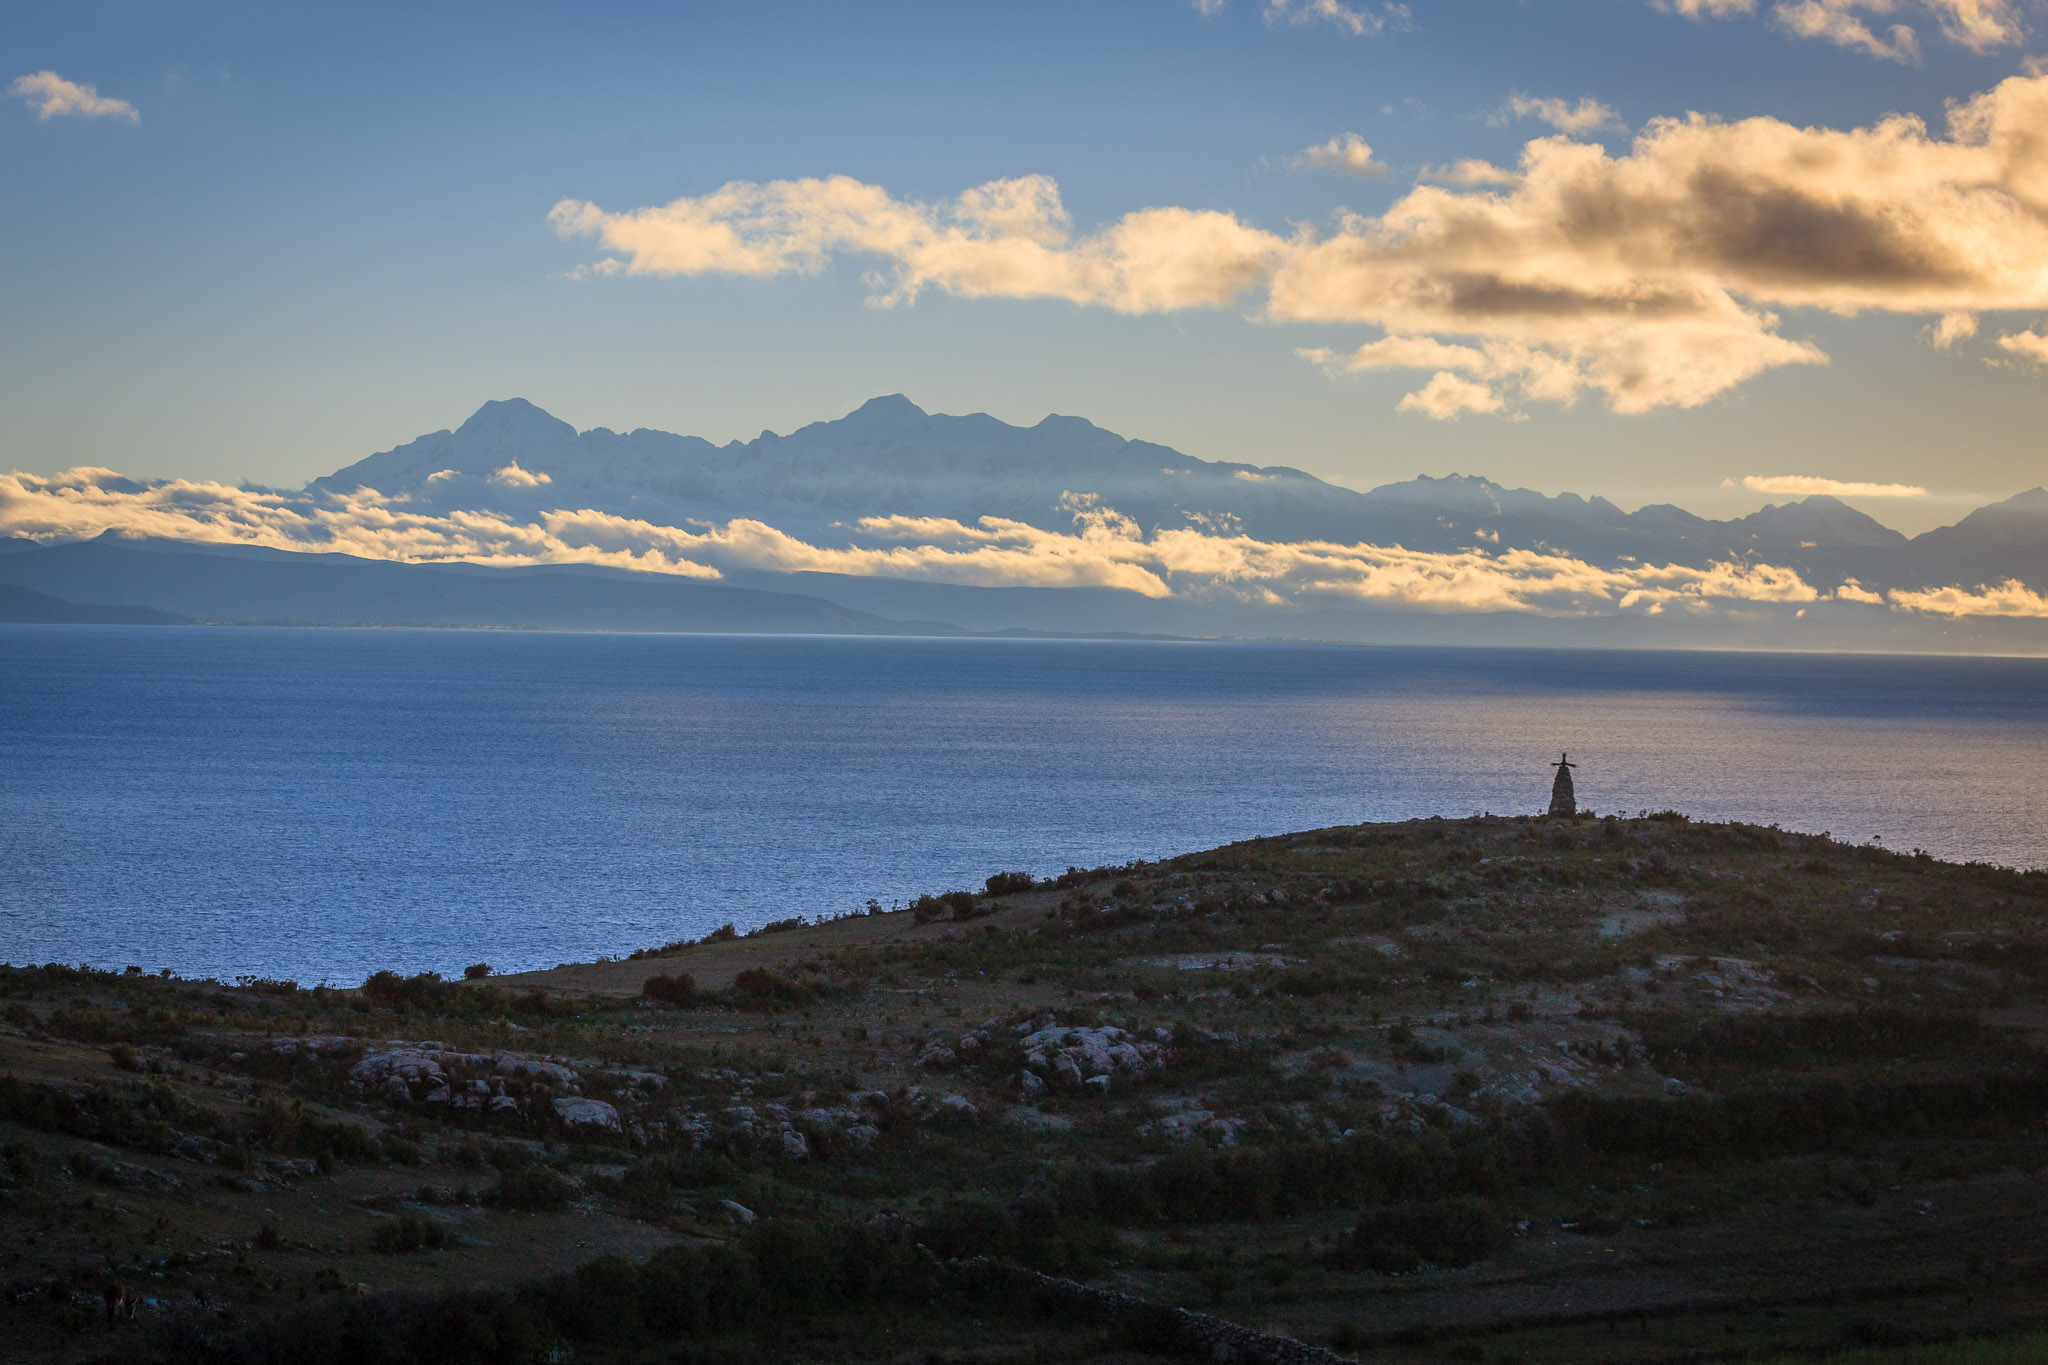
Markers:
point(1009, 883)
point(411, 1232)
point(724, 933)
point(1396, 1240)
point(476, 971)
point(763, 986)
point(530, 1187)
point(125, 1056)
point(679, 990)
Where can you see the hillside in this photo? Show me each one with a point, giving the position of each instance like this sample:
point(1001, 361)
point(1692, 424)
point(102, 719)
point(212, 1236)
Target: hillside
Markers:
point(1631, 1089)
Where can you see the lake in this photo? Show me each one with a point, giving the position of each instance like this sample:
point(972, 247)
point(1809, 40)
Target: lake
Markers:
point(317, 804)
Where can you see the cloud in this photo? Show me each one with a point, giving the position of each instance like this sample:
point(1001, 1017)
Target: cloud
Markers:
point(1006, 239)
point(1445, 396)
point(1588, 115)
point(512, 476)
point(2028, 345)
point(1806, 486)
point(1358, 21)
point(1348, 153)
point(1978, 25)
point(2010, 598)
point(1469, 174)
point(1102, 549)
point(1949, 329)
point(1706, 9)
point(51, 96)
point(1836, 22)
point(1650, 278)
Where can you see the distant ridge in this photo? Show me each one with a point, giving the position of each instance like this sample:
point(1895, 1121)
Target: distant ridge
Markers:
point(269, 586)
point(1828, 575)
point(891, 458)
point(26, 606)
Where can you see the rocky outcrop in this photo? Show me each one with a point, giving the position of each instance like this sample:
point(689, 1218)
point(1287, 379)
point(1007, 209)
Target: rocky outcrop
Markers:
point(1073, 1058)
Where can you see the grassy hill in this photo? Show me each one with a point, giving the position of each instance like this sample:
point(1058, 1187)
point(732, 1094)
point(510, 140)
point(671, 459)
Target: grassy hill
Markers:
point(1487, 1090)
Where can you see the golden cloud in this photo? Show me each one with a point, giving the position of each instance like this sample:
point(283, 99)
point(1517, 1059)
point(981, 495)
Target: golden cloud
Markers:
point(1103, 549)
point(1647, 278)
point(1806, 486)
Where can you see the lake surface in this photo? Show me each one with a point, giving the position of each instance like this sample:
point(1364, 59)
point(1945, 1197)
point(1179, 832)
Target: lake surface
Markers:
point(319, 804)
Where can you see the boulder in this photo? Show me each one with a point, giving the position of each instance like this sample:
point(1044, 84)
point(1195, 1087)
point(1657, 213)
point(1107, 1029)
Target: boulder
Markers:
point(578, 1112)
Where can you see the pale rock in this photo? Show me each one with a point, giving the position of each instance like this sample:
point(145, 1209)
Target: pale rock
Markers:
point(578, 1112)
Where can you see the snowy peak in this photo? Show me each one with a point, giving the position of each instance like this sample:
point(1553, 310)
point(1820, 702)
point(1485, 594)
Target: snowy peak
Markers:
point(514, 421)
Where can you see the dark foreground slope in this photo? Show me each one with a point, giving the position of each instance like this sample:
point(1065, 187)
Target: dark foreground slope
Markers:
point(1494, 1089)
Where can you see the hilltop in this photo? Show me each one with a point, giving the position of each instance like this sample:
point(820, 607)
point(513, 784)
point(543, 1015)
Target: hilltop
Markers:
point(1598, 1089)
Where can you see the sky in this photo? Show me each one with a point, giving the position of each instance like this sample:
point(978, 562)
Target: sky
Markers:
point(1712, 252)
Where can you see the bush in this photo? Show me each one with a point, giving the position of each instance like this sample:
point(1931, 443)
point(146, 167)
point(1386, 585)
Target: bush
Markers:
point(411, 1232)
point(530, 1187)
point(1010, 883)
point(1396, 1240)
point(761, 987)
point(679, 990)
point(125, 1056)
point(476, 971)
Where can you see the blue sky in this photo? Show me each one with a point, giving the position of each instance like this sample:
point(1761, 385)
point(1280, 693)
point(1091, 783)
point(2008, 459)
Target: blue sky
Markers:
point(325, 230)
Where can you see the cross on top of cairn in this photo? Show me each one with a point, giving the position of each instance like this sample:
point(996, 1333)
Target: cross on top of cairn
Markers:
point(1562, 800)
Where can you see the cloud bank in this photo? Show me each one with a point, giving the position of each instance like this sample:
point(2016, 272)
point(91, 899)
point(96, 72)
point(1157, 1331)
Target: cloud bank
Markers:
point(1649, 279)
point(1805, 486)
point(1102, 550)
point(51, 96)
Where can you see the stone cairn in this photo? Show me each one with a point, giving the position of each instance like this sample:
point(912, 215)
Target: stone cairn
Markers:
point(1562, 800)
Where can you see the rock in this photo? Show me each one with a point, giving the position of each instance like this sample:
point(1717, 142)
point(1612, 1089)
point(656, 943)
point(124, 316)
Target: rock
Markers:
point(971, 1044)
point(862, 1134)
point(586, 1113)
point(504, 1103)
point(1075, 1053)
point(1674, 1087)
point(517, 1064)
point(794, 1147)
point(407, 1066)
point(938, 1058)
point(1032, 1085)
point(1097, 1085)
point(438, 1093)
point(957, 1108)
point(738, 1213)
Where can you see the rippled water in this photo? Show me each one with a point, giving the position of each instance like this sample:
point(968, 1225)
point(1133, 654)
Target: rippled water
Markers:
point(317, 804)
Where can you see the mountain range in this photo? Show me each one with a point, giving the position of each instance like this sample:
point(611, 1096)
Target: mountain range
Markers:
point(890, 473)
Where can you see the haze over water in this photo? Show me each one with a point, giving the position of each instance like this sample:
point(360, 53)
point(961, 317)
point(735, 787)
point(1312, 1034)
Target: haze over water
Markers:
point(320, 804)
